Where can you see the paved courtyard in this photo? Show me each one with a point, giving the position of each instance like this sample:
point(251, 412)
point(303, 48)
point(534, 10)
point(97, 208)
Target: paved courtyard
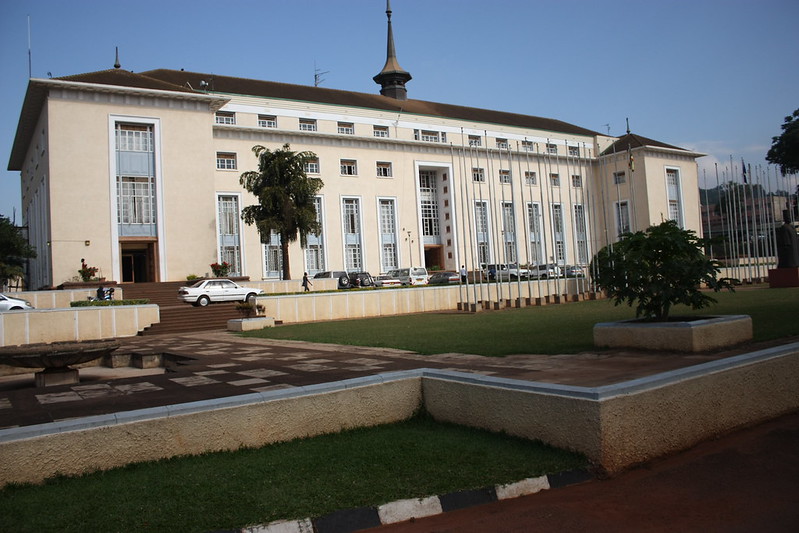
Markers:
point(220, 364)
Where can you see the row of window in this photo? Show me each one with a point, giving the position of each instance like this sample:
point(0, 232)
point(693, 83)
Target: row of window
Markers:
point(348, 128)
point(530, 178)
point(347, 167)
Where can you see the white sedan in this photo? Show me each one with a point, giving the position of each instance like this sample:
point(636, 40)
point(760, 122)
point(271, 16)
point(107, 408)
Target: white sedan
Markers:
point(217, 290)
point(7, 303)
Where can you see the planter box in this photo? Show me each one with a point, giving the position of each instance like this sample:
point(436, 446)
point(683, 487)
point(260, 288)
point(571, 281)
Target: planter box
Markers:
point(249, 324)
point(690, 335)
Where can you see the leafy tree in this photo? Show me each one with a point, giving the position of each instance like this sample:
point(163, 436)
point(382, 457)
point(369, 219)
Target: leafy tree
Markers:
point(285, 198)
point(784, 149)
point(658, 268)
point(14, 250)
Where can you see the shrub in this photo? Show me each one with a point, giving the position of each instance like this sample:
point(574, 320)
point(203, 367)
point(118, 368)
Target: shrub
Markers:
point(658, 268)
point(101, 303)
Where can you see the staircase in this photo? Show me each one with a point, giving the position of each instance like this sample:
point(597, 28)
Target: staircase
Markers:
point(176, 316)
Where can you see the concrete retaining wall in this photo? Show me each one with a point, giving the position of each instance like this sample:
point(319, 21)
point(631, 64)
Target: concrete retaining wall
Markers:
point(58, 299)
point(615, 426)
point(75, 323)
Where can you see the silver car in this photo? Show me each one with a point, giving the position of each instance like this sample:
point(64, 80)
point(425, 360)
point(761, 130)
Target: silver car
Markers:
point(217, 290)
point(7, 303)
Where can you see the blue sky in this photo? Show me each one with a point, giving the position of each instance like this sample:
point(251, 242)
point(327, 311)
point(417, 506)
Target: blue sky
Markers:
point(717, 76)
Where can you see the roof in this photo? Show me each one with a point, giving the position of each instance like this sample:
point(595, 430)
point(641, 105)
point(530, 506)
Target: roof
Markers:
point(306, 93)
point(631, 140)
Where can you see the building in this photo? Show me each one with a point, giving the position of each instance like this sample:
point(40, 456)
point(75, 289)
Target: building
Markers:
point(138, 173)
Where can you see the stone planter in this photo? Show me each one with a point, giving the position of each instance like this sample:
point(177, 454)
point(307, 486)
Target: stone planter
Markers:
point(682, 334)
point(249, 324)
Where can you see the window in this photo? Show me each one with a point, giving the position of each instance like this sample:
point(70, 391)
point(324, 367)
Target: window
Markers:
point(135, 179)
point(580, 234)
point(136, 199)
point(558, 234)
point(347, 128)
point(474, 140)
point(225, 117)
point(481, 231)
point(552, 148)
point(429, 136)
point(307, 124)
point(619, 178)
point(528, 146)
point(504, 176)
point(225, 161)
point(534, 227)
point(380, 131)
point(267, 121)
point(273, 257)
point(622, 218)
point(478, 174)
point(388, 235)
point(674, 195)
point(509, 232)
point(353, 261)
point(383, 169)
point(315, 250)
point(530, 177)
point(554, 180)
point(577, 181)
point(312, 166)
point(502, 144)
point(349, 167)
point(228, 238)
point(428, 206)
point(574, 151)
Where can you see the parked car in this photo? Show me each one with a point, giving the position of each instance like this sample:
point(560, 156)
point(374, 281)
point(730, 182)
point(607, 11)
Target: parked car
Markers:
point(505, 272)
point(355, 280)
point(574, 271)
point(444, 277)
point(387, 280)
point(330, 274)
point(217, 290)
point(411, 276)
point(7, 303)
point(545, 271)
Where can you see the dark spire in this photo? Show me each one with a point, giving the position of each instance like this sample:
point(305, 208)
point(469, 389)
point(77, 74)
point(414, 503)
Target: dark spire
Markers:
point(116, 62)
point(392, 78)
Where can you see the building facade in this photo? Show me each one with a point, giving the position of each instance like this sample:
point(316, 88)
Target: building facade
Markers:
point(138, 174)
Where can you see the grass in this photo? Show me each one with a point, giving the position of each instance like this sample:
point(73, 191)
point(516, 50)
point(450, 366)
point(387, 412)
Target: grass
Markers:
point(304, 478)
point(551, 329)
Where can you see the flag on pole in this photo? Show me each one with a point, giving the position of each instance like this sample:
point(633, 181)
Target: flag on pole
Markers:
point(743, 166)
point(631, 161)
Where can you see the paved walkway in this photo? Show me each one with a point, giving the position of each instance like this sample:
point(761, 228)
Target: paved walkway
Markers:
point(220, 364)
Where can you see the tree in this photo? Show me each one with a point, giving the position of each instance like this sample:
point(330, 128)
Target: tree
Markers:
point(784, 149)
point(658, 268)
point(14, 250)
point(285, 198)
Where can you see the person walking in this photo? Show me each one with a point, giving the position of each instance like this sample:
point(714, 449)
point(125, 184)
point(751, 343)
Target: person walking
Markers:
point(306, 282)
point(463, 273)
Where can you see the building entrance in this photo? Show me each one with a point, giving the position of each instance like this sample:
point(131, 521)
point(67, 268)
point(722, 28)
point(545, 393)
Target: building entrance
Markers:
point(434, 257)
point(139, 260)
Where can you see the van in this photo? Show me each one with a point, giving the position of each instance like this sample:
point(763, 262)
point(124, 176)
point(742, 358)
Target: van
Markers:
point(411, 276)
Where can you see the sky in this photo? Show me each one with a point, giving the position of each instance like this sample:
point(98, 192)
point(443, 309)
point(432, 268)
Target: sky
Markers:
point(715, 76)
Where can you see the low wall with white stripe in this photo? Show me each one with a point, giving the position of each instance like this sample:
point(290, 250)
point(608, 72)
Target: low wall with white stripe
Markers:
point(75, 323)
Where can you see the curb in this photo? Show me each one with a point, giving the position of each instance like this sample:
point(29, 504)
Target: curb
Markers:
point(402, 510)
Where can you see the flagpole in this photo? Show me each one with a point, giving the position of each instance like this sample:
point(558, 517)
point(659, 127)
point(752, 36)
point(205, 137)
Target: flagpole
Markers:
point(543, 233)
point(525, 216)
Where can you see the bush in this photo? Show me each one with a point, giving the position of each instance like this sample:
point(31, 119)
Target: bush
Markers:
point(102, 303)
point(658, 268)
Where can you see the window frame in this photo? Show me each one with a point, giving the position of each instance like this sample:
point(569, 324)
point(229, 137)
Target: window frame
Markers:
point(350, 165)
point(227, 156)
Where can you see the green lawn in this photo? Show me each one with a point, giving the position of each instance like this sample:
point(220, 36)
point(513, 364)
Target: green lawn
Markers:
point(299, 479)
point(551, 329)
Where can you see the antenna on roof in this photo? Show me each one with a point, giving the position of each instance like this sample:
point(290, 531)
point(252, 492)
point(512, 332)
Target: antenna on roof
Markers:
point(608, 127)
point(30, 64)
point(317, 75)
point(628, 126)
point(116, 62)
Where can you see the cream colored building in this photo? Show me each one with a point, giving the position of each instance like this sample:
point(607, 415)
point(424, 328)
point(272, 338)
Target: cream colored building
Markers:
point(138, 173)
